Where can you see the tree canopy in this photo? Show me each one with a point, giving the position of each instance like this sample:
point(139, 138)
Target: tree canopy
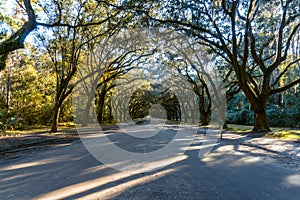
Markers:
point(255, 46)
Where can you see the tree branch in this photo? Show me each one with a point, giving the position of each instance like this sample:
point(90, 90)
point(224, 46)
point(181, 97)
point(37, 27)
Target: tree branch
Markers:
point(283, 72)
point(16, 41)
point(281, 89)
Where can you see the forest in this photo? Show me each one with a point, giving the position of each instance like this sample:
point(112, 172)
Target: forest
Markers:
point(87, 61)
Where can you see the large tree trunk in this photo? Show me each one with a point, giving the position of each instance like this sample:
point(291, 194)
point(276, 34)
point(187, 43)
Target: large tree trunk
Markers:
point(100, 110)
point(204, 118)
point(110, 117)
point(260, 120)
point(205, 111)
point(258, 105)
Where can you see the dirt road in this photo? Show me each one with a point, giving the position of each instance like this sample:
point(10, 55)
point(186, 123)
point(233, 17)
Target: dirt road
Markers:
point(236, 168)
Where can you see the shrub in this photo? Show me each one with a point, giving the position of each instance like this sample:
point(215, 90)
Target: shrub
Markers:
point(241, 117)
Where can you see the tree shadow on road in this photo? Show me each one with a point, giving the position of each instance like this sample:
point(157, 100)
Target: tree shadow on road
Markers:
point(70, 172)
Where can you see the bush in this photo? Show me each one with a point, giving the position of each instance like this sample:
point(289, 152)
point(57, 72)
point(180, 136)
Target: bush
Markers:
point(10, 120)
point(241, 117)
point(287, 115)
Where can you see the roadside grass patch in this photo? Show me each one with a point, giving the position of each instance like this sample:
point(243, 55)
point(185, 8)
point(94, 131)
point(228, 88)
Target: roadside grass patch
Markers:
point(36, 129)
point(280, 133)
point(66, 125)
point(289, 134)
point(240, 129)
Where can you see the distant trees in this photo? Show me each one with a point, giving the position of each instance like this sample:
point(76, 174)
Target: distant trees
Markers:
point(144, 98)
point(30, 90)
point(126, 88)
point(254, 37)
point(72, 38)
point(107, 60)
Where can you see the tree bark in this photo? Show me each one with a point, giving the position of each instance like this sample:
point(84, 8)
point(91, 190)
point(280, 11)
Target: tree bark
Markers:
point(258, 101)
point(16, 41)
point(260, 115)
point(204, 118)
point(260, 120)
point(205, 110)
point(110, 117)
point(101, 102)
point(55, 118)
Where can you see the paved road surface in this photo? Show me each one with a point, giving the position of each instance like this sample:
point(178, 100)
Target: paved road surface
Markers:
point(71, 172)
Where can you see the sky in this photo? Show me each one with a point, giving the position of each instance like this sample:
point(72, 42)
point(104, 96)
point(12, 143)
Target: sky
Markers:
point(8, 6)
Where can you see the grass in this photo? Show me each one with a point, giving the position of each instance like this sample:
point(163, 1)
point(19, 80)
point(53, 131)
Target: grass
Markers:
point(281, 133)
point(284, 133)
point(241, 129)
point(36, 129)
point(66, 125)
point(26, 130)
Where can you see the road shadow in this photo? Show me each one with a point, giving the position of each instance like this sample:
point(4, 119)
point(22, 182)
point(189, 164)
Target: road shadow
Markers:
point(71, 172)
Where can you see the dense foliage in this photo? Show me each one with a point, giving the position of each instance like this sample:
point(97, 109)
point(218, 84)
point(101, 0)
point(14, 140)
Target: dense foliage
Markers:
point(285, 114)
point(255, 44)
